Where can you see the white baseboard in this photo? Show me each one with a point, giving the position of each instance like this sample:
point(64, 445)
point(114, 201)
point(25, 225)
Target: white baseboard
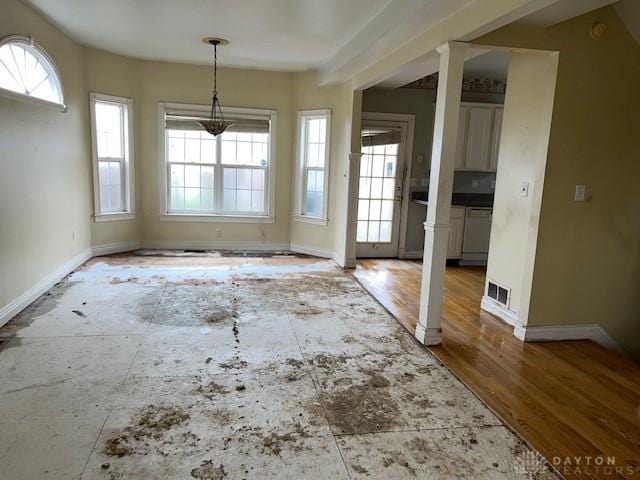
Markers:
point(500, 311)
point(314, 251)
point(213, 245)
point(549, 333)
point(111, 248)
point(16, 306)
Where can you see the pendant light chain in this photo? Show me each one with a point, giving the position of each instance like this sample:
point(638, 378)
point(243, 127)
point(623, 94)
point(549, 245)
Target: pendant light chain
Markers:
point(215, 126)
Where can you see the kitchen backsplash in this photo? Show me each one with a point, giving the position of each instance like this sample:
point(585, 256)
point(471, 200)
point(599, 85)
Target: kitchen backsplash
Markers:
point(468, 182)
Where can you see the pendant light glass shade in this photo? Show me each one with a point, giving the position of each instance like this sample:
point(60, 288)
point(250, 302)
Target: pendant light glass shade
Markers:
point(216, 123)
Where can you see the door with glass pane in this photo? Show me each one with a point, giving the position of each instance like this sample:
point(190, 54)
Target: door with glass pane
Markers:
point(380, 189)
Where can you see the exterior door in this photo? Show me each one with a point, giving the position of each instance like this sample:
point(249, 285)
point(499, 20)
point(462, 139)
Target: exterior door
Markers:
point(380, 189)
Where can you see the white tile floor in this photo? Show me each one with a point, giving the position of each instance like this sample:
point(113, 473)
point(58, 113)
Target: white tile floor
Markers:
point(139, 367)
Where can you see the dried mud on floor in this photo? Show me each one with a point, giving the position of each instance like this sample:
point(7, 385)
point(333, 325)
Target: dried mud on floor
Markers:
point(227, 367)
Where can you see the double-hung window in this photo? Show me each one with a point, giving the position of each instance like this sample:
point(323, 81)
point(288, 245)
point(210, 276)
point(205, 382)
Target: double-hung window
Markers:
point(312, 166)
point(112, 142)
point(225, 178)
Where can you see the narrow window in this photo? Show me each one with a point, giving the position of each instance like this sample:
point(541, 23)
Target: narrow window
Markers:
point(313, 165)
point(112, 156)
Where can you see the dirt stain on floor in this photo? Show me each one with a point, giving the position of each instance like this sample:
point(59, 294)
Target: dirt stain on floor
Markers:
point(151, 422)
point(208, 471)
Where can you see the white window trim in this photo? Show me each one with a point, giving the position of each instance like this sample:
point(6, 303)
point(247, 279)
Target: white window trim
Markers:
point(28, 98)
point(165, 215)
point(129, 194)
point(299, 188)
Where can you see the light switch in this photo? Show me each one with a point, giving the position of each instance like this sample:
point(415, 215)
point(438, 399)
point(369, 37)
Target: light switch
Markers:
point(580, 194)
point(524, 189)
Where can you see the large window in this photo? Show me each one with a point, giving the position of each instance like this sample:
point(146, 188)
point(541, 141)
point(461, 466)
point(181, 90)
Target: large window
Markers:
point(312, 173)
point(27, 71)
point(112, 157)
point(228, 177)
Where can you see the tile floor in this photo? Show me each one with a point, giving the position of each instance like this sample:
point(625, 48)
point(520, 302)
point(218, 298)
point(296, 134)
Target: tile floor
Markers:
point(213, 367)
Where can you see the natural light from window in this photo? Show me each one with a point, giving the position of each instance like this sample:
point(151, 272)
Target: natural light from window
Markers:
point(25, 69)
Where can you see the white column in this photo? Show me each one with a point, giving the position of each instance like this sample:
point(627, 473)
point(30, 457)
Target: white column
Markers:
point(436, 228)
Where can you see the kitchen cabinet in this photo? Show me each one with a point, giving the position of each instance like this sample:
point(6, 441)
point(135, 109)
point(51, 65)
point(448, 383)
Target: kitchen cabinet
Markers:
point(479, 130)
point(495, 141)
point(456, 233)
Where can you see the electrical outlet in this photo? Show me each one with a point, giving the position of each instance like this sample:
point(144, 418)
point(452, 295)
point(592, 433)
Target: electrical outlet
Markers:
point(581, 193)
point(218, 233)
point(493, 184)
point(524, 189)
point(73, 235)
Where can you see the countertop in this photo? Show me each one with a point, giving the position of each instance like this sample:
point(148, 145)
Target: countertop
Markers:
point(458, 199)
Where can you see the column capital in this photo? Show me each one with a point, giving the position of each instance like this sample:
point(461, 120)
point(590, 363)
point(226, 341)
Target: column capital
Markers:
point(452, 45)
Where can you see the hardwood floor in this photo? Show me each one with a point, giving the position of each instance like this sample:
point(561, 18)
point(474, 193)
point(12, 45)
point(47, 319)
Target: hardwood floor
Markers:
point(568, 399)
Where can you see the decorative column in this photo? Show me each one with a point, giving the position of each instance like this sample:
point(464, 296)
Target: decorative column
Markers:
point(436, 227)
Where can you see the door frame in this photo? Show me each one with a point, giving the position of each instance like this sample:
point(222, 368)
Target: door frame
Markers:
point(406, 121)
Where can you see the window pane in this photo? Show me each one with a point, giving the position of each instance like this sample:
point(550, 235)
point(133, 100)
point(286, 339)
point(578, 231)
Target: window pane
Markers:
point(177, 176)
point(244, 200)
point(388, 188)
point(177, 198)
point(257, 200)
point(361, 232)
point(377, 166)
point(364, 189)
point(176, 147)
point(115, 198)
point(257, 180)
point(319, 181)
point(244, 179)
point(103, 173)
point(374, 230)
point(313, 204)
point(114, 173)
point(206, 177)
point(390, 166)
point(363, 209)
point(312, 155)
point(104, 199)
point(259, 153)
point(192, 150)
point(374, 209)
point(208, 151)
point(321, 155)
point(206, 199)
point(387, 210)
point(228, 152)
point(314, 130)
point(229, 178)
point(192, 176)
point(376, 188)
point(229, 200)
point(365, 166)
point(109, 130)
point(385, 231)
point(192, 198)
point(244, 153)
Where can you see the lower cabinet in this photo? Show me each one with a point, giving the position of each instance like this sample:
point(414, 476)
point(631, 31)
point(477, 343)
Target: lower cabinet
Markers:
point(456, 233)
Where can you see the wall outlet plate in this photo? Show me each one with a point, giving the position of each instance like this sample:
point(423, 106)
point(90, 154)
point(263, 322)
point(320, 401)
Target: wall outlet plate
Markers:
point(581, 193)
point(524, 189)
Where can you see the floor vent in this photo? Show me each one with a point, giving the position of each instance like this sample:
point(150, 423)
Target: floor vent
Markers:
point(499, 293)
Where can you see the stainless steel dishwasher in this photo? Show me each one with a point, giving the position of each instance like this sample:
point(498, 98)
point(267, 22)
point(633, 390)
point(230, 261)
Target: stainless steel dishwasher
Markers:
point(477, 230)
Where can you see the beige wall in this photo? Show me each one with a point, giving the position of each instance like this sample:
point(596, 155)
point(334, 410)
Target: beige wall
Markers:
point(523, 157)
point(327, 239)
point(111, 74)
point(166, 82)
point(44, 167)
point(587, 267)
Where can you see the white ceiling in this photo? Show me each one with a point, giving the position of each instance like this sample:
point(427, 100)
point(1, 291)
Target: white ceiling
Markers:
point(270, 34)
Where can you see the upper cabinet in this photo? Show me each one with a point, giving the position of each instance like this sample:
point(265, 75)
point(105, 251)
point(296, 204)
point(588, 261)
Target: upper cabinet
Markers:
point(479, 131)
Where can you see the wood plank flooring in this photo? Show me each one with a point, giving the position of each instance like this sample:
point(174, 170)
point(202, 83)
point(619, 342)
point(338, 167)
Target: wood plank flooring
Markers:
point(568, 399)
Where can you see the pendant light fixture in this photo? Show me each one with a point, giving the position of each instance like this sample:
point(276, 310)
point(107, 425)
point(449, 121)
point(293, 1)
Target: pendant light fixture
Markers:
point(216, 123)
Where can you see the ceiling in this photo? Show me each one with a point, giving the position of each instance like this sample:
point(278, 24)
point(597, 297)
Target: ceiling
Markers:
point(269, 34)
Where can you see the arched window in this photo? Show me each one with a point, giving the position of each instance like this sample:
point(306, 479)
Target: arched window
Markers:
point(26, 69)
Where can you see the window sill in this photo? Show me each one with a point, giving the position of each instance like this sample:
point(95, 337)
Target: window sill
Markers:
point(312, 220)
point(35, 100)
point(186, 217)
point(114, 217)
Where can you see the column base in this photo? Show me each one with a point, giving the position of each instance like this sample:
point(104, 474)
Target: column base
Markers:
point(428, 336)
